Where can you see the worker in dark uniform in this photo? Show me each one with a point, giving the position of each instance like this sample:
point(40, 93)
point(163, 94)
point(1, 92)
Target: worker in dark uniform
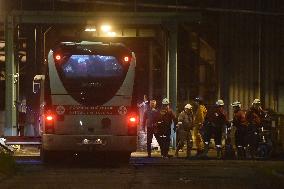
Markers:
point(150, 120)
point(215, 121)
point(240, 123)
point(184, 130)
point(167, 117)
point(254, 117)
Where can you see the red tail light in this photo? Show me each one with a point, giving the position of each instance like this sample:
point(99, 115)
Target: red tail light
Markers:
point(58, 57)
point(49, 118)
point(132, 120)
point(126, 59)
point(132, 123)
point(49, 123)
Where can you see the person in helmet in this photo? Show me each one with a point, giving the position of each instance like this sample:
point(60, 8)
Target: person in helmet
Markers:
point(184, 127)
point(240, 123)
point(167, 117)
point(199, 113)
point(254, 117)
point(215, 121)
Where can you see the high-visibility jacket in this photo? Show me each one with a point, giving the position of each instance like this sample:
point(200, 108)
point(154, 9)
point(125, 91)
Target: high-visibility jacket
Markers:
point(200, 115)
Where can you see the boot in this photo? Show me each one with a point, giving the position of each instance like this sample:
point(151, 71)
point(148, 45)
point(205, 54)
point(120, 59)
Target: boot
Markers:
point(176, 154)
point(240, 153)
point(250, 153)
point(244, 152)
point(188, 153)
point(205, 151)
point(219, 152)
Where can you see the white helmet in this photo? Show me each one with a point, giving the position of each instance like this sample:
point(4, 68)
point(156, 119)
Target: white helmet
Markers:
point(220, 102)
point(256, 101)
point(188, 106)
point(165, 101)
point(236, 103)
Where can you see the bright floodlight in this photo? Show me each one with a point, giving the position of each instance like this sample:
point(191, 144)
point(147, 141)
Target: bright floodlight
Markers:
point(90, 29)
point(105, 28)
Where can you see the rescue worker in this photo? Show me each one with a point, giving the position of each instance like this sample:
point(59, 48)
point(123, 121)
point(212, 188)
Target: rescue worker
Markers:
point(215, 121)
point(184, 127)
point(167, 117)
point(254, 117)
point(240, 123)
point(150, 120)
point(199, 113)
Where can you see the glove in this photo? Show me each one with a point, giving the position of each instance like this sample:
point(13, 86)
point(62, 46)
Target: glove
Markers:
point(177, 126)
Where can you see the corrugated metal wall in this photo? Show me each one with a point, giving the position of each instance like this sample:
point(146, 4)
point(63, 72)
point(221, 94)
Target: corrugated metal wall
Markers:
point(250, 58)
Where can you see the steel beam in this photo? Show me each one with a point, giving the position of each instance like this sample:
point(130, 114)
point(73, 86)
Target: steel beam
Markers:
point(135, 18)
point(10, 92)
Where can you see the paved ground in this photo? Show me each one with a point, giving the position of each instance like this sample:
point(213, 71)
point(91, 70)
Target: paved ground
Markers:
point(147, 173)
point(33, 151)
point(150, 173)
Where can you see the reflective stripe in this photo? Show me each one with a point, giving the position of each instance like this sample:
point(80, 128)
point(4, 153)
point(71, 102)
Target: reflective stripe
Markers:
point(240, 146)
point(206, 142)
point(218, 146)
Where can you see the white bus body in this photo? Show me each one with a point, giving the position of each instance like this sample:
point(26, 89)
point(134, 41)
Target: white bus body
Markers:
point(88, 100)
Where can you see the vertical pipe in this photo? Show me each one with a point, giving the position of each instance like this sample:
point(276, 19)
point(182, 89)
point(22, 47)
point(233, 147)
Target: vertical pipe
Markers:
point(35, 45)
point(17, 70)
point(221, 59)
point(44, 43)
point(10, 109)
point(165, 65)
point(172, 65)
point(259, 57)
point(151, 70)
point(172, 71)
point(168, 68)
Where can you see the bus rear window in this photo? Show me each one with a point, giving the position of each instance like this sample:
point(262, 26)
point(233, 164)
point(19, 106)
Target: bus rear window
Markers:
point(92, 66)
point(92, 74)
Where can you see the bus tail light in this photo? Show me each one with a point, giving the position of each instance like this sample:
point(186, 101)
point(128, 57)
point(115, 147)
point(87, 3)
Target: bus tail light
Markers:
point(58, 57)
point(49, 123)
point(132, 123)
point(126, 59)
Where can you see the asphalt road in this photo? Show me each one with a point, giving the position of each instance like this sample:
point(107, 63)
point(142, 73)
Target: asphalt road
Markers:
point(147, 173)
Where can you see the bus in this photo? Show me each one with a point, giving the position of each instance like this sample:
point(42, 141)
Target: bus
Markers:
point(87, 103)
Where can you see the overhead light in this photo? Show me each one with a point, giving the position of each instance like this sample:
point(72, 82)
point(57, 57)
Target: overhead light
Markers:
point(2, 44)
point(111, 34)
point(90, 29)
point(105, 28)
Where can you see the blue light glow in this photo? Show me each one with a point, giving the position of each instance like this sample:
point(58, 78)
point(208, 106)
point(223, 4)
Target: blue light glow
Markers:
point(92, 66)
